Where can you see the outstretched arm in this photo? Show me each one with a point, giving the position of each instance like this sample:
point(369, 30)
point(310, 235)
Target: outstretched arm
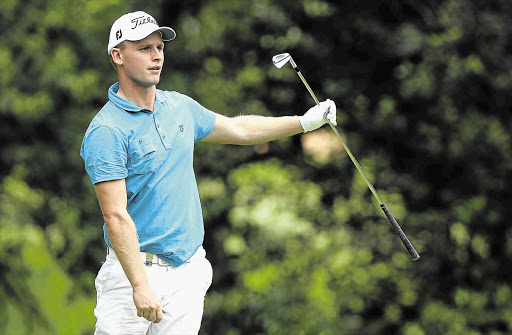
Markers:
point(254, 129)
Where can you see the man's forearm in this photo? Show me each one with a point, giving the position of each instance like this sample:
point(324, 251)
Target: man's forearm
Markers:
point(253, 129)
point(123, 237)
point(260, 129)
point(122, 234)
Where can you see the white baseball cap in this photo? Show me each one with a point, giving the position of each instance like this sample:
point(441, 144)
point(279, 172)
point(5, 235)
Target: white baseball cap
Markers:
point(135, 27)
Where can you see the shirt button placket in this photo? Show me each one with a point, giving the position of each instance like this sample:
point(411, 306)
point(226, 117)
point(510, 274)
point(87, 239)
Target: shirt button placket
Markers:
point(161, 132)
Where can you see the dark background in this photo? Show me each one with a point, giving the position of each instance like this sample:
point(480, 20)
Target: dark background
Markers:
point(297, 242)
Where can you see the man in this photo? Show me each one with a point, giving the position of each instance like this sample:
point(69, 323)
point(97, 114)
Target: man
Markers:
point(138, 152)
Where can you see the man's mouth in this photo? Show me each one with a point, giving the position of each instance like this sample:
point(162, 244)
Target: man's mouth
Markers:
point(155, 68)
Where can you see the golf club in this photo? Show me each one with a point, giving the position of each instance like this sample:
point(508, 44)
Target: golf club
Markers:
point(279, 61)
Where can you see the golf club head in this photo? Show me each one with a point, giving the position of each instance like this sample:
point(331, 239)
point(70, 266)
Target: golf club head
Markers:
point(281, 59)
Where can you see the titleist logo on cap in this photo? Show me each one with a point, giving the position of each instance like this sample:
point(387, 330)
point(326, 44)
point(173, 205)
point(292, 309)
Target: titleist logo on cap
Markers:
point(135, 27)
point(139, 21)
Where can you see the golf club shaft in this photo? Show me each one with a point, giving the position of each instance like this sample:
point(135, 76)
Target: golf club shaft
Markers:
point(408, 245)
point(354, 160)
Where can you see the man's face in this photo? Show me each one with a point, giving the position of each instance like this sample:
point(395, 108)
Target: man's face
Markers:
point(142, 61)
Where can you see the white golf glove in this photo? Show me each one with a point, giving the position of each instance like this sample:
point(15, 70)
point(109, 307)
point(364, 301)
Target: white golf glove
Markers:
point(319, 115)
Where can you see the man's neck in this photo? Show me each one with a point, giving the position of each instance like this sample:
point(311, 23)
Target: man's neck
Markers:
point(143, 97)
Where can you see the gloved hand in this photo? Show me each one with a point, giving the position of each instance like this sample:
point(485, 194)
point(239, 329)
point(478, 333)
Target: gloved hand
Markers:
point(319, 115)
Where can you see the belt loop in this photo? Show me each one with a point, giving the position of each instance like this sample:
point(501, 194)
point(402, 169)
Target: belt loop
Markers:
point(149, 259)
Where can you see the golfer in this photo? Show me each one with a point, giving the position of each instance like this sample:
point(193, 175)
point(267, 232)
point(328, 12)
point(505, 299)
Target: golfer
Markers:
point(138, 153)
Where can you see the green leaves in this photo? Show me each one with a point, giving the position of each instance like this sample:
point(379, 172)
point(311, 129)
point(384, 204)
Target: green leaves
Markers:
point(297, 242)
point(35, 288)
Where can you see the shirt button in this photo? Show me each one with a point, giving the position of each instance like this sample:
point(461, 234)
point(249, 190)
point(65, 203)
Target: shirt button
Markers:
point(163, 136)
point(158, 126)
point(140, 141)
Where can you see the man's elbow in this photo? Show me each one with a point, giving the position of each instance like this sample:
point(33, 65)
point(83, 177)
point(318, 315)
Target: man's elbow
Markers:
point(116, 217)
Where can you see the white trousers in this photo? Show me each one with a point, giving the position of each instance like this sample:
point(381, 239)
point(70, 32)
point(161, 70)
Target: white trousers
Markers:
point(181, 291)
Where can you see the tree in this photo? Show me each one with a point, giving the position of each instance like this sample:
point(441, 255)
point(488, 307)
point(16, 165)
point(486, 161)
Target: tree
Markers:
point(297, 242)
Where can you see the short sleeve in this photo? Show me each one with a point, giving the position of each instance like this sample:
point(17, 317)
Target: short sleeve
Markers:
point(105, 154)
point(204, 119)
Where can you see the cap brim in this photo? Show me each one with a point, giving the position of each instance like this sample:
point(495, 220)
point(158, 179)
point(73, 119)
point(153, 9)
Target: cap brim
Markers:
point(168, 34)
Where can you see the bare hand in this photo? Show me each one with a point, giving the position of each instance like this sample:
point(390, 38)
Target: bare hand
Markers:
point(148, 305)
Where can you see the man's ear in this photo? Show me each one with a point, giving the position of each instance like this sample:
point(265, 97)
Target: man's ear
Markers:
point(116, 56)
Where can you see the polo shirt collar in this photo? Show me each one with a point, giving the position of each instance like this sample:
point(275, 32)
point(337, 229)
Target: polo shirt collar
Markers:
point(128, 105)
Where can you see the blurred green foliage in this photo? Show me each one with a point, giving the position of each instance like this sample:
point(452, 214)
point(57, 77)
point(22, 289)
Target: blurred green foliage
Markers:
point(297, 242)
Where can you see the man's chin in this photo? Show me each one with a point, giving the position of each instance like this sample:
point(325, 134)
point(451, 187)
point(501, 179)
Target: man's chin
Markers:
point(148, 83)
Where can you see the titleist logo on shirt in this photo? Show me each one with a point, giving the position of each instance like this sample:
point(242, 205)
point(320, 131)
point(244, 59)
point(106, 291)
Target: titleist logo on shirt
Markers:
point(139, 21)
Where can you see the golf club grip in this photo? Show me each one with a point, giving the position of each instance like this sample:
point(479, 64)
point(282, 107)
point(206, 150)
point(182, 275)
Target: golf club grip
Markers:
point(400, 233)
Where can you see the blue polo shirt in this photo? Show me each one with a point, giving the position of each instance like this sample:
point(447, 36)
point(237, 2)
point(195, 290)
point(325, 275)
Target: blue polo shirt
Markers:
point(153, 152)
